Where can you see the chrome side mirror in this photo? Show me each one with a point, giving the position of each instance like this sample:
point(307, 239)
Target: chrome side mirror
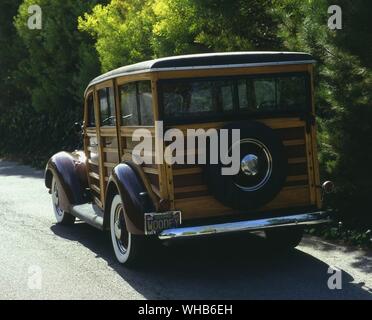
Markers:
point(78, 127)
point(328, 187)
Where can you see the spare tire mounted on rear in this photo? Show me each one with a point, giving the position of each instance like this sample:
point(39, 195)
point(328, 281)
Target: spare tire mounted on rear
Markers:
point(263, 168)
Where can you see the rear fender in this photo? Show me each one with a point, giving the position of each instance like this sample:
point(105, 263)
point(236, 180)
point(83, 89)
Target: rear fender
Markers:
point(134, 195)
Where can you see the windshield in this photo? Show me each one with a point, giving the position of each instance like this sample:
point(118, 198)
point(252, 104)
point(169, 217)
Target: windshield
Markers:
point(274, 94)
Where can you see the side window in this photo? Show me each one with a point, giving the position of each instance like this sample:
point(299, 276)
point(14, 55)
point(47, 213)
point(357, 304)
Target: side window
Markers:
point(145, 102)
point(90, 110)
point(107, 106)
point(136, 104)
point(128, 101)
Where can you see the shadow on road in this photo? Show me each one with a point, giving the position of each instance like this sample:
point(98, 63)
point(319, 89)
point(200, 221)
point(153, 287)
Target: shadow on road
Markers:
point(229, 267)
point(8, 168)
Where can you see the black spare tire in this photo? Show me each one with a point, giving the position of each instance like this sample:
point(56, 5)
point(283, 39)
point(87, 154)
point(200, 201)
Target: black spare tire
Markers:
point(262, 168)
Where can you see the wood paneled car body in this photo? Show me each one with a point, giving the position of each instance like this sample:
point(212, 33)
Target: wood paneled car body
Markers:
point(267, 96)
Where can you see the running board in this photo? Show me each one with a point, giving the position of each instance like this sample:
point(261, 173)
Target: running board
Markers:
point(89, 213)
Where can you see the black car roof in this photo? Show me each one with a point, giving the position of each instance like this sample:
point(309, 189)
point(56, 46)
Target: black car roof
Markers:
point(209, 60)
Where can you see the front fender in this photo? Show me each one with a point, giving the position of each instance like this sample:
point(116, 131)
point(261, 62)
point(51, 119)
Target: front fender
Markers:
point(70, 171)
point(134, 195)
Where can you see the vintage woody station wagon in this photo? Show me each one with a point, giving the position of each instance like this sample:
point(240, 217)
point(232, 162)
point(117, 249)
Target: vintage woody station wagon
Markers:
point(268, 96)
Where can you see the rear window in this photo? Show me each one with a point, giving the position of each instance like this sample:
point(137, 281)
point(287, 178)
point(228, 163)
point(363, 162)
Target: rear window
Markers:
point(275, 94)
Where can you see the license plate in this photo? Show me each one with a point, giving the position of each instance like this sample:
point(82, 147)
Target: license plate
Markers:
point(155, 222)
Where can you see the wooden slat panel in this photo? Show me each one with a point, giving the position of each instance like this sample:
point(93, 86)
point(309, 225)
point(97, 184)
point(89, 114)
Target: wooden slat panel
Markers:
point(129, 131)
point(191, 189)
point(298, 178)
point(110, 150)
point(156, 190)
point(153, 179)
point(108, 132)
point(144, 153)
point(95, 188)
point(294, 133)
point(297, 142)
point(94, 175)
point(208, 206)
point(93, 162)
point(188, 180)
point(297, 160)
point(110, 164)
point(98, 202)
point(290, 197)
point(296, 169)
point(150, 170)
point(200, 207)
point(194, 170)
point(274, 123)
point(296, 151)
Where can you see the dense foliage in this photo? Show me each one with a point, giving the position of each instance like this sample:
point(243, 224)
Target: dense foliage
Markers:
point(43, 72)
point(46, 73)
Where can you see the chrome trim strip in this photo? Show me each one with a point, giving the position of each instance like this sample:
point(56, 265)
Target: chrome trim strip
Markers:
point(249, 225)
point(223, 66)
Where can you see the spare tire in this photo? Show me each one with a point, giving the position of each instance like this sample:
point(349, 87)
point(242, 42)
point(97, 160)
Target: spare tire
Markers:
point(263, 168)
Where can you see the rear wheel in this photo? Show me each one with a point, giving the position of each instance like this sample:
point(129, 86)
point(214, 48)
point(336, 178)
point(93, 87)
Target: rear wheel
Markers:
point(130, 249)
point(62, 216)
point(284, 238)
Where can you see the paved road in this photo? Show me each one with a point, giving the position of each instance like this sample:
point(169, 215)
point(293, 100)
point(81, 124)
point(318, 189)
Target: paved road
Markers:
point(77, 262)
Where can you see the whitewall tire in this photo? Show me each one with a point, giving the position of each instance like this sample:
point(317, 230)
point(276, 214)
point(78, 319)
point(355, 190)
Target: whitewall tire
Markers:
point(62, 216)
point(121, 238)
point(130, 250)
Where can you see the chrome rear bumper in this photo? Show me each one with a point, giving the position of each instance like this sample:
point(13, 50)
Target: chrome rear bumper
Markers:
point(249, 225)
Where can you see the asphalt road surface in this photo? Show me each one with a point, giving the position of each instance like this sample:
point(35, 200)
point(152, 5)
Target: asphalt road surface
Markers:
point(40, 260)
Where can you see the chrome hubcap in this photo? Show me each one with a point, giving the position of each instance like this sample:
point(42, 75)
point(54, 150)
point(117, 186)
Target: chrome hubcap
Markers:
point(55, 197)
point(120, 232)
point(117, 230)
point(249, 165)
point(255, 167)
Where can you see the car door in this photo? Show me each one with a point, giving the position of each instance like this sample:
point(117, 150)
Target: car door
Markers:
point(91, 147)
point(107, 133)
point(100, 139)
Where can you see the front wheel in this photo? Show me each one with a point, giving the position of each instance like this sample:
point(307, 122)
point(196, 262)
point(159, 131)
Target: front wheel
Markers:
point(130, 250)
point(284, 238)
point(62, 216)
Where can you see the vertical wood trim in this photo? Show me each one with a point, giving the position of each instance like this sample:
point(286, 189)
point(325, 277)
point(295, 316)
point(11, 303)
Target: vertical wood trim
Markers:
point(163, 172)
point(123, 138)
point(85, 136)
point(170, 186)
point(155, 97)
point(118, 118)
point(100, 147)
point(310, 166)
point(313, 133)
